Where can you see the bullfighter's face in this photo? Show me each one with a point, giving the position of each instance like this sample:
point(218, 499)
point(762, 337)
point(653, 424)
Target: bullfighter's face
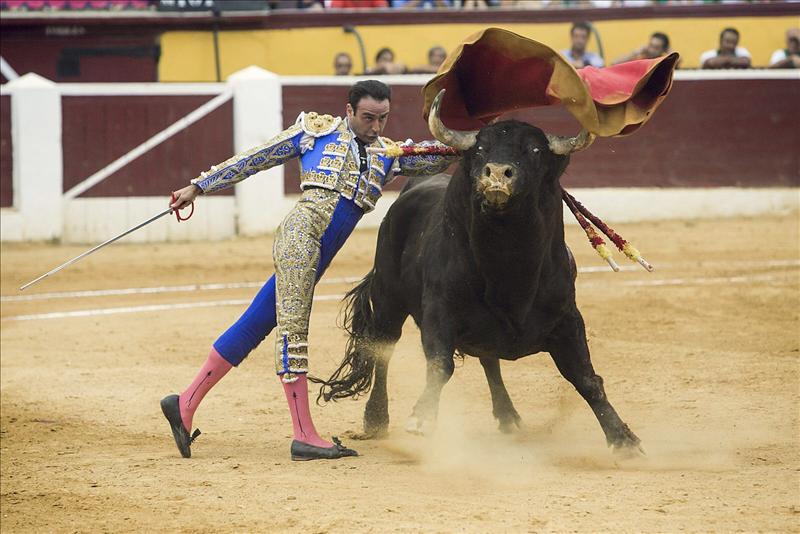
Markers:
point(369, 118)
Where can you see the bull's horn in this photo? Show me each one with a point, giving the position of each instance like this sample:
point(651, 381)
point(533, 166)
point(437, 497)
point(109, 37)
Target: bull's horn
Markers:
point(443, 134)
point(567, 145)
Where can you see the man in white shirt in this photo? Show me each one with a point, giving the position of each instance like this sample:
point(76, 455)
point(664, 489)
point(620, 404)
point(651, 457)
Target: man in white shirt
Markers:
point(577, 54)
point(729, 55)
point(789, 57)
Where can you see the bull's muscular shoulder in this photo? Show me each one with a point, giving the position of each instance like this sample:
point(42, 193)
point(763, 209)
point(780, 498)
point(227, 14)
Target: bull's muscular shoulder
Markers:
point(317, 125)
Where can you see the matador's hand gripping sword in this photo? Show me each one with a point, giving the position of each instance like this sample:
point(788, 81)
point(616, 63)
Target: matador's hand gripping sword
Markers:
point(120, 236)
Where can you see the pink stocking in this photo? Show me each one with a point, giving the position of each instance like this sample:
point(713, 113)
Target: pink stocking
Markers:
point(297, 397)
point(212, 372)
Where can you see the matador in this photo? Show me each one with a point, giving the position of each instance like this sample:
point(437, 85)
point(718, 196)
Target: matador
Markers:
point(340, 181)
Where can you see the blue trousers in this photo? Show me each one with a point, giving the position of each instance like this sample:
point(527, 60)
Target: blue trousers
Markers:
point(260, 318)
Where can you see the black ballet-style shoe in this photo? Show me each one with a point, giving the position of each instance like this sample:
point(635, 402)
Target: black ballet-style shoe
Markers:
point(170, 406)
point(303, 451)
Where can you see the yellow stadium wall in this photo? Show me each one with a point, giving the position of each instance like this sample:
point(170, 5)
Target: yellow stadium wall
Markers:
point(189, 55)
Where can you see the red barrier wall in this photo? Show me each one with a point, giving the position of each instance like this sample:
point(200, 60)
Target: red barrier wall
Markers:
point(83, 58)
point(740, 133)
point(6, 178)
point(98, 130)
point(737, 133)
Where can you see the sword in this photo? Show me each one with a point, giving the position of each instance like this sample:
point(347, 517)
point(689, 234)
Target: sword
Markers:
point(101, 245)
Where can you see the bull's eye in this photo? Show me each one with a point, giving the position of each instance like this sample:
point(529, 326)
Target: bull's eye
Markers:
point(535, 150)
point(508, 173)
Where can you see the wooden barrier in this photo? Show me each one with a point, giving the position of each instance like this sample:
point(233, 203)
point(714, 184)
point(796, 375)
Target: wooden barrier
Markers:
point(731, 131)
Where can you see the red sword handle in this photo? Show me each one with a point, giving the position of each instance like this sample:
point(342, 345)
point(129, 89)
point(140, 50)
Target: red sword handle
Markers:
point(177, 213)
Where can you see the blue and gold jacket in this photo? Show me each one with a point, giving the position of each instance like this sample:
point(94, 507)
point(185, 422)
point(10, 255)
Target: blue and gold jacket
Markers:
point(328, 156)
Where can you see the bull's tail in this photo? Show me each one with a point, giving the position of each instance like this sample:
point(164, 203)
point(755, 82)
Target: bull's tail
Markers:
point(354, 375)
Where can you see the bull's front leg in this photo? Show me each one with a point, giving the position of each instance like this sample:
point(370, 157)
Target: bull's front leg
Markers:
point(502, 407)
point(570, 353)
point(438, 345)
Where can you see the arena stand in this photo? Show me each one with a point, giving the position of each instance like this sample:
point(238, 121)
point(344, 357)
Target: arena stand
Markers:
point(73, 5)
point(80, 162)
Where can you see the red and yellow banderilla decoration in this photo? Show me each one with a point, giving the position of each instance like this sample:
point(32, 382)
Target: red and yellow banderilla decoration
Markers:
point(597, 242)
point(578, 210)
point(396, 151)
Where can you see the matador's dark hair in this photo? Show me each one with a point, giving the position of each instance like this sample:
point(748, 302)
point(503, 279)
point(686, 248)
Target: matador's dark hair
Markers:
point(373, 88)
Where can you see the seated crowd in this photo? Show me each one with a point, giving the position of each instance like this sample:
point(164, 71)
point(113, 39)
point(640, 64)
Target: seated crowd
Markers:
point(44, 5)
point(728, 54)
point(74, 5)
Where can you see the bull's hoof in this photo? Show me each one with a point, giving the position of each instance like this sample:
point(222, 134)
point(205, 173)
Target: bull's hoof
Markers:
point(627, 445)
point(420, 427)
point(369, 433)
point(376, 423)
point(510, 425)
point(360, 436)
point(628, 451)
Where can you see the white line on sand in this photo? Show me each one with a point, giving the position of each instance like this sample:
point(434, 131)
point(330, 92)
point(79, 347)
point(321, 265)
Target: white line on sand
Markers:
point(341, 280)
point(146, 308)
point(241, 302)
point(709, 280)
point(157, 289)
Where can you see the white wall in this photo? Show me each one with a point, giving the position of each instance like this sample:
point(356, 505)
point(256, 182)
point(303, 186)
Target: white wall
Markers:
point(40, 211)
point(613, 204)
point(93, 220)
point(37, 166)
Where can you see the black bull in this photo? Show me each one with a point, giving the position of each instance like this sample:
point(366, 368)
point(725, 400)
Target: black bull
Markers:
point(479, 261)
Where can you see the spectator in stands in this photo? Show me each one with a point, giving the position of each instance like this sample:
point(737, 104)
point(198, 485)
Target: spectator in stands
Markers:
point(577, 54)
point(355, 4)
point(657, 46)
point(729, 55)
point(477, 4)
point(60, 5)
point(421, 4)
point(342, 64)
point(385, 64)
point(789, 57)
point(313, 5)
point(436, 56)
point(600, 4)
point(524, 4)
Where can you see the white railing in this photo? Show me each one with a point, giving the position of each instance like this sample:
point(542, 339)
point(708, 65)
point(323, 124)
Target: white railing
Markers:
point(41, 211)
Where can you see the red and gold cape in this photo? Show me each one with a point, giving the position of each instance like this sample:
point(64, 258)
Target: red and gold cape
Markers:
point(496, 71)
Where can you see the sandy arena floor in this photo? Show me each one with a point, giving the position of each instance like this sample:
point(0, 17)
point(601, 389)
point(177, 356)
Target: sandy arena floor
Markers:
point(701, 358)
